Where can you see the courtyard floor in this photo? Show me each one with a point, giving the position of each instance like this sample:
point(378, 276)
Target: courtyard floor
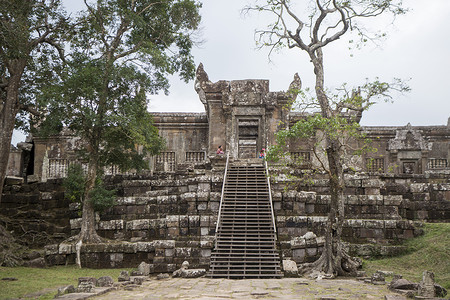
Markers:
point(287, 288)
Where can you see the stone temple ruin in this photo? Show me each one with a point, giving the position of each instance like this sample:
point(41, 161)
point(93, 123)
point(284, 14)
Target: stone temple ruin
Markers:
point(221, 212)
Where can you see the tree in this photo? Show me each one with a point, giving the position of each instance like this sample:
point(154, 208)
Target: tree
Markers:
point(327, 21)
point(120, 52)
point(30, 36)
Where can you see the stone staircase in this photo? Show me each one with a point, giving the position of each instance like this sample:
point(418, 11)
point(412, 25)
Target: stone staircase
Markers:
point(245, 237)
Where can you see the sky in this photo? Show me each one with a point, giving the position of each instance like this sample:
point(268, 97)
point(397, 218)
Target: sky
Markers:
point(417, 49)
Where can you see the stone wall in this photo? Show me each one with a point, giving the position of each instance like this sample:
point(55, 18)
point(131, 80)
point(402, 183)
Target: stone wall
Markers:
point(166, 218)
point(37, 213)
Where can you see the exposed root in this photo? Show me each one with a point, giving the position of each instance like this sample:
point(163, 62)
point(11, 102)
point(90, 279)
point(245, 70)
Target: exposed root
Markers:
point(78, 241)
point(10, 249)
point(331, 266)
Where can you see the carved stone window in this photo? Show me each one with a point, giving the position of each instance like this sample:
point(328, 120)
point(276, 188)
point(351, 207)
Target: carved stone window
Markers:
point(437, 163)
point(375, 164)
point(165, 161)
point(195, 156)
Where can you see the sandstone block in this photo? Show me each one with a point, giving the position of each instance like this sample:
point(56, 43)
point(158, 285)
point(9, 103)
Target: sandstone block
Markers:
point(105, 281)
point(290, 268)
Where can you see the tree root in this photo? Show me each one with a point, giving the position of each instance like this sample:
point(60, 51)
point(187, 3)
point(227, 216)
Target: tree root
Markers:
point(331, 266)
point(78, 241)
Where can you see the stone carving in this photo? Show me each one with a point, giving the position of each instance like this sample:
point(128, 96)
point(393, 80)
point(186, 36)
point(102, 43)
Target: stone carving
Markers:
point(185, 272)
point(409, 138)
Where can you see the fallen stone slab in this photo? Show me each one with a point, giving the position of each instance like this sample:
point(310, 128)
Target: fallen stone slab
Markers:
point(82, 296)
point(13, 180)
point(403, 284)
point(395, 297)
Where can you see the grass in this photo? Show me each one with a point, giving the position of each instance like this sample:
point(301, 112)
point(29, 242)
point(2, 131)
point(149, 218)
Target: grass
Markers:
point(43, 283)
point(430, 252)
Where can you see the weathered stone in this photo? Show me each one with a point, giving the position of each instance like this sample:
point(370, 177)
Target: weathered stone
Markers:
point(13, 180)
point(193, 273)
point(68, 289)
point(144, 268)
point(309, 235)
point(378, 278)
point(440, 291)
point(51, 249)
point(91, 280)
point(290, 268)
point(403, 284)
point(85, 287)
point(36, 263)
point(105, 281)
point(426, 286)
point(124, 276)
point(162, 276)
point(137, 279)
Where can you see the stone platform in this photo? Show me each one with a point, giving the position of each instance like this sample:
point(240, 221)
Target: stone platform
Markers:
point(287, 288)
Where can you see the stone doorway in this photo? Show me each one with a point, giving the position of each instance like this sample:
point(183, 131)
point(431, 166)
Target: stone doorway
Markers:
point(248, 133)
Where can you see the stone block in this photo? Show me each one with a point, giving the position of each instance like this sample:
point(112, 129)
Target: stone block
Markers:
point(204, 187)
point(172, 221)
point(418, 187)
point(191, 196)
point(395, 200)
point(66, 248)
point(205, 252)
point(290, 268)
point(164, 244)
point(204, 231)
point(214, 206)
point(141, 224)
point(202, 206)
point(169, 252)
point(372, 191)
point(194, 221)
point(184, 252)
point(371, 183)
point(215, 196)
point(311, 251)
point(75, 223)
point(111, 225)
point(105, 281)
point(277, 196)
point(51, 249)
point(202, 196)
point(309, 208)
point(193, 188)
point(298, 255)
point(204, 221)
point(353, 200)
point(145, 268)
point(124, 276)
point(184, 221)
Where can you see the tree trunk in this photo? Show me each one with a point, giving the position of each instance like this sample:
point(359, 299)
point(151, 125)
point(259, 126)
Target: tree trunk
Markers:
point(334, 259)
point(88, 234)
point(8, 110)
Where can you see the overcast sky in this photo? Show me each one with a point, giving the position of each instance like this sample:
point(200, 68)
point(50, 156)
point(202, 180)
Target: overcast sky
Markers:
point(417, 47)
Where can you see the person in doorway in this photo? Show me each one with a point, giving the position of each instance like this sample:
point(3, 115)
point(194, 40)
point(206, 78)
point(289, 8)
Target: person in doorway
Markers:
point(219, 150)
point(262, 153)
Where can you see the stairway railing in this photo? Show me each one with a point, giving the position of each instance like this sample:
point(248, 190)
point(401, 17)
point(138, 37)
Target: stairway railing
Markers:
point(270, 198)
point(221, 197)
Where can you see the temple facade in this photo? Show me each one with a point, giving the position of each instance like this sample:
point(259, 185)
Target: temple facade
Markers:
point(243, 116)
